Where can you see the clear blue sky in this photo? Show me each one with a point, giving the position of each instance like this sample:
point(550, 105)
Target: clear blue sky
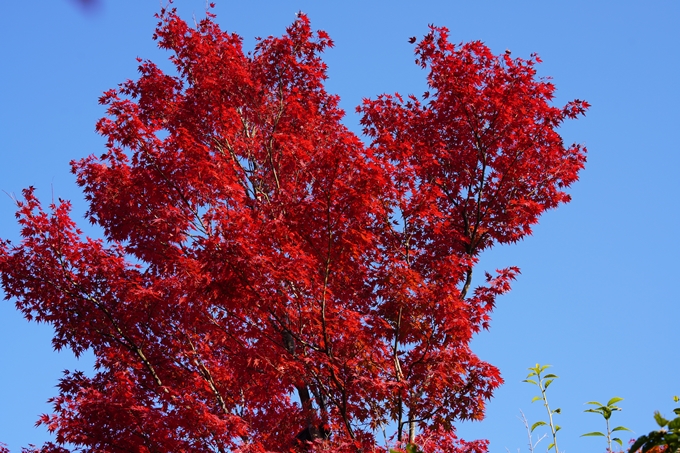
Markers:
point(596, 298)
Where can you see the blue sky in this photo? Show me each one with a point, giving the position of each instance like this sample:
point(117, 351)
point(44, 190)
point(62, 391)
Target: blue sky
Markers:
point(596, 297)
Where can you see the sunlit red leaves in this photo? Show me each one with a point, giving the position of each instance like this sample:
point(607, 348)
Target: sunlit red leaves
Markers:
point(264, 274)
point(488, 154)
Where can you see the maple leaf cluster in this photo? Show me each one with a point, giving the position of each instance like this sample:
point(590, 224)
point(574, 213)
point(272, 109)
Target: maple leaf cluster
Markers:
point(267, 282)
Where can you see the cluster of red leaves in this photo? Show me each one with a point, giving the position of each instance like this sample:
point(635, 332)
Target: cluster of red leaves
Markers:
point(658, 449)
point(266, 277)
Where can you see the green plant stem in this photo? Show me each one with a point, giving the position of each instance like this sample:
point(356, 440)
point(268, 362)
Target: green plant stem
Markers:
point(550, 418)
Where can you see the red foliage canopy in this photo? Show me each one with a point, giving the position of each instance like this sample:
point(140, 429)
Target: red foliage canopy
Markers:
point(266, 279)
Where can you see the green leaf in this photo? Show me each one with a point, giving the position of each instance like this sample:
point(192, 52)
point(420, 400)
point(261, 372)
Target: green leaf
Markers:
point(606, 413)
point(536, 425)
point(530, 381)
point(676, 398)
point(412, 448)
point(535, 398)
point(594, 433)
point(619, 441)
point(557, 411)
point(659, 419)
point(544, 367)
point(674, 424)
point(595, 411)
point(671, 439)
point(621, 428)
point(550, 376)
point(639, 443)
point(547, 383)
point(557, 428)
point(614, 400)
point(595, 403)
point(550, 446)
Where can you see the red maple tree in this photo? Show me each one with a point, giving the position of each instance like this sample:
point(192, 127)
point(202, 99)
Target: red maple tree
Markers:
point(266, 282)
